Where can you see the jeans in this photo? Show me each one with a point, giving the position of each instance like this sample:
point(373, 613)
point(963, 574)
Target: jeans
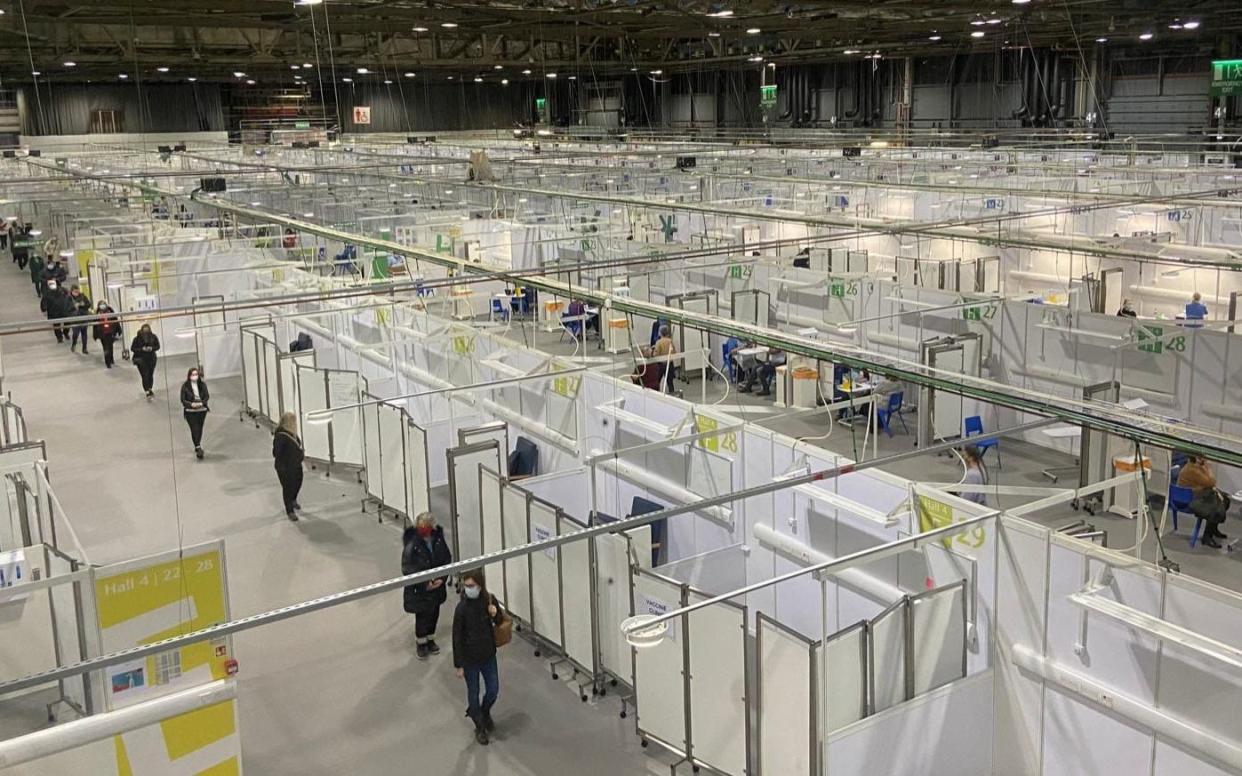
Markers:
point(60, 333)
point(79, 332)
point(195, 421)
point(290, 486)
point(491, 683)
point(109, 360)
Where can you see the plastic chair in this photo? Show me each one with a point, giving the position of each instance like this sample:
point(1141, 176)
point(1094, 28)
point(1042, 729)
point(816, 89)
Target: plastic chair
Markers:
point(499, 310)
point(893, 410)
point(524, 460)
point(1179, 501)
point(974, 426)
point(574, 326)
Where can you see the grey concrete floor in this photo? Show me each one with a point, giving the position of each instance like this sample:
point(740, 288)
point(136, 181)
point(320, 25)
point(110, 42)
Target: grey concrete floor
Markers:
point(335, 692)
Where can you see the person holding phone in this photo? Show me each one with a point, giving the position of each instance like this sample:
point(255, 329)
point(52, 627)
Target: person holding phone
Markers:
point(194, 398)
point(424, 548)
point(144, 347)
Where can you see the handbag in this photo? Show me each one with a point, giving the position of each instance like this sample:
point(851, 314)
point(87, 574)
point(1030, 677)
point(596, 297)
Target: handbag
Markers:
point(503, 630)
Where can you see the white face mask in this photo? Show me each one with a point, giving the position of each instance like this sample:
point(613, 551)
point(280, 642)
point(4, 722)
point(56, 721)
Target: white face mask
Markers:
point(194, 378)
point(471, 591)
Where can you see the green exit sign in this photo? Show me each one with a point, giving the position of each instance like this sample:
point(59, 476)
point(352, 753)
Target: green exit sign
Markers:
point(301, 125)
point(1226, 77)
point(837, 290)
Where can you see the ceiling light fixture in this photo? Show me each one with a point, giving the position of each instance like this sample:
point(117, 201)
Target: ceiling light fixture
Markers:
point(295, 67)
point(478, 80)
point(388, 81)
point(1191, 25)
point(409, 75)
point(753, 30)
point(977, 23)
point(420, 29)
point(306, 65)
point(238, 74)
point(71, 63)
point(449, 25)
point(363, 71)
point(36, 73)
point(933, 38)
point(498, 67)
point(123, 76)
point(551, 75)
point(994, 20)
point(977, 34)
point(1021, 2)
point(504, 81)
point(348, 80)
point(250, 82)
point(713, 34)
point(526, 71)
point(162, 69)
point(1147, 36)
point(723, 14)
point(1101, 40)
point(657, 72)
point(191, 79)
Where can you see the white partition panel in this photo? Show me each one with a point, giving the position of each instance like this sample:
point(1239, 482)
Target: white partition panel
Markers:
point(613, 602)
point(345, 388)
point(250, 368)
point(271, 380)
point(844, 684)
point(373, 480)
point(313, 395)
point(888, 657)
point(659, 673)
point(785, 672)
point(717, 669)
point(418, 482)
point(545, 574)
point(463, 464)
point(576, 595)
point(516, 522)
point(938, 637)
point(492, 533)
point(289, 380)
point(391, 425)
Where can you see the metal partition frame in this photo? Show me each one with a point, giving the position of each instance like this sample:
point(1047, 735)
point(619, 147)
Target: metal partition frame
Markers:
point(455, 518)
point(644, 736)
point(687, 670)
point(913, 647)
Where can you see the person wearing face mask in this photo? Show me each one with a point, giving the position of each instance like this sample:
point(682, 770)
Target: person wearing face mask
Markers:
point(56, 304)
point(105, 331)
point(144, 347)
point(1127, 310)
point(288, 453)
point(194, 398)
point(474, 650)
point(424, 548)
point(81, 307)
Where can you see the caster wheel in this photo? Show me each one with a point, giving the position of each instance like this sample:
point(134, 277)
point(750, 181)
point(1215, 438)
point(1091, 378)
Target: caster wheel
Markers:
point(602, 692)
point(584, 699)
point(537, 653)
point(554, 677)
point(623, 715)
point(695, 769)
point(612, 682)
point(518, 627)
point(644, 743)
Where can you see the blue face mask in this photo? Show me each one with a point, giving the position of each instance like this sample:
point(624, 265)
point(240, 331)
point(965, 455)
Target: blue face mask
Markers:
point(472, 592)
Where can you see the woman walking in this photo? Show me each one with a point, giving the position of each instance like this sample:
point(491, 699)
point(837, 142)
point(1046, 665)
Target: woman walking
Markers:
point(423, 548)
point(288, 453)
point(144, 347)
point(474, 650)
point(194, 398)
point(106, 331)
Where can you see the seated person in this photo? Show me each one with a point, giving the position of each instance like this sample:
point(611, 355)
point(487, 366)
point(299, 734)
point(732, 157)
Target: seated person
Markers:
point(803, 259)
point(663, 348)
point(1209, 503)
point(767, 371)
point(747, 367)
point(1127, 310)
point(1196, 310)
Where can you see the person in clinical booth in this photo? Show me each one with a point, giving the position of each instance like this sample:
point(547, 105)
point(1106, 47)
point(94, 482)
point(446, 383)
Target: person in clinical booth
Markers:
point(1127, 310)
point(194, 398)
point(144, 347)
point(106, 332)
point(288, 454)
point(663, 348)
point(1196, 310)
point(1208, 503)
point(474, 650)
point(424, 548)
point(976, 474)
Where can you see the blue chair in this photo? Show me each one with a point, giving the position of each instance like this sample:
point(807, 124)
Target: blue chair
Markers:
point(574, 327)
point(893, 410)
point(974, 426)
point(1179, 501)
point(726, 351)
point(499, 310)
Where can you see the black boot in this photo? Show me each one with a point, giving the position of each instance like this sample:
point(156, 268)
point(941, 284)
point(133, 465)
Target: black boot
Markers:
point(488, 724)
point(1210, 541)
point(480, 729)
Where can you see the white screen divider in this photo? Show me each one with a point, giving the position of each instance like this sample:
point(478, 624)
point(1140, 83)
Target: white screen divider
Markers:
point(938, 637)
point(287, 372)
point(344, 388)
point(576, 612)
point(613, 582)
point(888, 662)
point(844, 677)
point(271, 379)
point(416, 469)
point(391, 425)
point(313, 395)
point(660, 677)
point(545, 574)
point(463, 470)
point(490, 516)
point(716, 662)
point(786, 707)
point(373, 479)
point(515, 520)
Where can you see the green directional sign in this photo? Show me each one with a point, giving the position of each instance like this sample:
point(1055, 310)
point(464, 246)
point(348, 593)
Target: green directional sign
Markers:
point(1226, 77)
point(837, 290)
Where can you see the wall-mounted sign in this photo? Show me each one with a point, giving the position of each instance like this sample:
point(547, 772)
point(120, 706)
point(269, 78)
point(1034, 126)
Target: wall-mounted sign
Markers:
point(1226, 77)
point(362, 114)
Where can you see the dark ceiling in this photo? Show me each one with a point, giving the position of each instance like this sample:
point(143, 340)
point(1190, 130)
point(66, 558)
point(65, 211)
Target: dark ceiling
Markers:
point(212, 39)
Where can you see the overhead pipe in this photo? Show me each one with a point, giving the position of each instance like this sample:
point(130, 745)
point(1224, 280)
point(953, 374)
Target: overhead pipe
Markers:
point(1054, 86)
point(1024, 76)
point(853, 111)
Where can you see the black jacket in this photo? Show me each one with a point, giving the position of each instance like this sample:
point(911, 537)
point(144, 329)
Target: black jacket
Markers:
point(474, 641)
point(114, 330)
point(81, 305)
point(57, 304)
point(187, 396)
point(416, 556)
point(287, 451)
point(142, 341)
